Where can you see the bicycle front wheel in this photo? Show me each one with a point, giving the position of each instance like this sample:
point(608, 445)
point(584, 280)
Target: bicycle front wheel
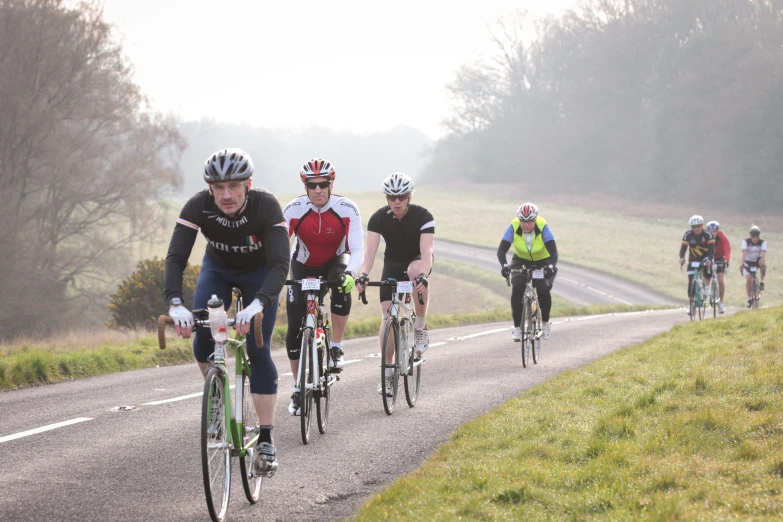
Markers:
point(527, 332)
point(322, 400)
point(692, 299)
point(413, 376)
point(390, 342)
point(537, 333)
point(715, 298)
point(305, 384)
point(215, 446)
point(250, 483)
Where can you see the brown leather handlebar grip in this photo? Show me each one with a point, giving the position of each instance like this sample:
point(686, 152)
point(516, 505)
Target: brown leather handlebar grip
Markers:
point(258, 329)
point(163, 320)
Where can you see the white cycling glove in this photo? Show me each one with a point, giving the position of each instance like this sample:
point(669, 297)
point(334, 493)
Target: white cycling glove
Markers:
point(181, 316)
point(247, 314)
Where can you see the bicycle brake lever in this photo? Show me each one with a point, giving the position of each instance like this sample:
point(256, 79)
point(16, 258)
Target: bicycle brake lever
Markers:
point(363, 297)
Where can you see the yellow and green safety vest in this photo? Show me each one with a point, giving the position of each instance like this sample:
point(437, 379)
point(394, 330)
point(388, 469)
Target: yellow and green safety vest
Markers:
point(538, 251)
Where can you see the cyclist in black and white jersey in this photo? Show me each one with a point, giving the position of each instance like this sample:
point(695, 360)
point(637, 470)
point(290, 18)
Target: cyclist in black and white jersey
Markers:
point(754, 253)
point(247, 247)
point(409, 233)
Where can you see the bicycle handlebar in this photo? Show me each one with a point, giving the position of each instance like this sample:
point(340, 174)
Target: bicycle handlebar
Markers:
point(323, 281)
point(386, 283)
point(165, 320)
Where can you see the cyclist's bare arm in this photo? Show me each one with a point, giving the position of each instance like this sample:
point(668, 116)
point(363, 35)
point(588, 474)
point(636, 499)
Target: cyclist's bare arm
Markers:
point(426, 246)
point(370, 249)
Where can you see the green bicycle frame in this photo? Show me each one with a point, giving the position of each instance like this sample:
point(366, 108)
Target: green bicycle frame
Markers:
point(234, 418)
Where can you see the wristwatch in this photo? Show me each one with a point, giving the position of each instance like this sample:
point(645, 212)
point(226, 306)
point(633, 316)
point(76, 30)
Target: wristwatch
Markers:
point(175, 301)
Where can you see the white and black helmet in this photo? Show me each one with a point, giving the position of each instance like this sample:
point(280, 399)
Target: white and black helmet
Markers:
point(696, 220)
point(397, 184)
point(228, 165)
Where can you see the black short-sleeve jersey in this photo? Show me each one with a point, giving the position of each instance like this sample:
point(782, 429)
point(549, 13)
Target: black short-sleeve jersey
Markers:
point(699, 246)
point(402, 236)
point(257, 236)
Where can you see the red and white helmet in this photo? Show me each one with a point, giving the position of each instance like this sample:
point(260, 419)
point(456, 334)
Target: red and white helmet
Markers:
point(527, 212)
point(317, 168)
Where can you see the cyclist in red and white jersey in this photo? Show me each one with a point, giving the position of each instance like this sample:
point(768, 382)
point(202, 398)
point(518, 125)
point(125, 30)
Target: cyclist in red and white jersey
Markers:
point(329, 243)
point(722, 255)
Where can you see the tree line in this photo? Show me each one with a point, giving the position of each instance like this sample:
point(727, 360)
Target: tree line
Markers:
point(82, 163)
point(675, 100)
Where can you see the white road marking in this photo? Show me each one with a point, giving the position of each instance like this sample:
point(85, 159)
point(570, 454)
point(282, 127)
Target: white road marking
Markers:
point(595, 290)
point(479, 334)
point(44, 428)
point(175, 399)
point(435, 344)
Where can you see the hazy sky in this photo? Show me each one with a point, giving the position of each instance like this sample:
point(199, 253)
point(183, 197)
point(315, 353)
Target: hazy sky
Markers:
point(348, 65)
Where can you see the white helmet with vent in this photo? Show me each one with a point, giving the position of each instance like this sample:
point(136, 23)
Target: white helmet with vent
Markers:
point(397, 184)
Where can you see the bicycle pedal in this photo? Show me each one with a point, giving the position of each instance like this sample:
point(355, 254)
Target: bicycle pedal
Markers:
point(337, 377)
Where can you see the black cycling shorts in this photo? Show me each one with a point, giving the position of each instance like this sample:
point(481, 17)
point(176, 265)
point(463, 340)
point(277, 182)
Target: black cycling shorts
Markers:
point(396, 270)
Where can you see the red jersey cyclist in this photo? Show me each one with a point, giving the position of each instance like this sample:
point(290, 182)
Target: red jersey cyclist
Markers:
point(722, 255)
point(329, 243)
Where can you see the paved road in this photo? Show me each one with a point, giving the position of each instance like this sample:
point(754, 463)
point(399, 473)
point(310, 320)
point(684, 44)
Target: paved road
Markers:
point(144, 464)
point(579, 285)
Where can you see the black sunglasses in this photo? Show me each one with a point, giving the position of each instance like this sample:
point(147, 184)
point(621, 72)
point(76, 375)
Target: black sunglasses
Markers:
point(312, 185)
point(401, 197)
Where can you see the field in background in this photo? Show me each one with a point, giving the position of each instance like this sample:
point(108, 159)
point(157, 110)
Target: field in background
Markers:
point(694, 434)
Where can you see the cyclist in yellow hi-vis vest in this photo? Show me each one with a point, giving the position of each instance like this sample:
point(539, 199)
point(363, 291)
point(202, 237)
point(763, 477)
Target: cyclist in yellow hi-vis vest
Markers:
point(534, 245)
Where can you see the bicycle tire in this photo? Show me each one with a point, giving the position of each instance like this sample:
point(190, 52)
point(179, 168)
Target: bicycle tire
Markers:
point(755, 293)
point(251, 484)
point(715, 298)
point(527, 320)
point(537, 338)
point(692, 298)
point(215, 446)
point(305, 377)
point(322, 400)
point(389, 402)
point(701, 305)
point(412, 377)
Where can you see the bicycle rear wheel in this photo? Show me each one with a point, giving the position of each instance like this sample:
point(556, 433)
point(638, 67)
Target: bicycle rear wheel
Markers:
point(527, 325)
point(215, 446)
point(305, 379)
point(250, 430)
point(322, 400)
point(413, 376)
point(390, 342)
point(536, 333)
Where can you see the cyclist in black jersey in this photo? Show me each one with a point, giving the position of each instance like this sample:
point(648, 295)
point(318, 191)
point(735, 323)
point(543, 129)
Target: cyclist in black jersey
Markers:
point(701, 247)
point(409, 233)
point(247, 247)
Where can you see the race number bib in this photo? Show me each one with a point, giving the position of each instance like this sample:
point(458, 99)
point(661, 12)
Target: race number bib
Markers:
point(695, 264)
point(538, 274)
point(311, 283)
point(405, 287)
point(752, 268)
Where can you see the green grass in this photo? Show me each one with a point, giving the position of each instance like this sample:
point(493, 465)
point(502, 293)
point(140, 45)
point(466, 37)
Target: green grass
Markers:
point(686, 426)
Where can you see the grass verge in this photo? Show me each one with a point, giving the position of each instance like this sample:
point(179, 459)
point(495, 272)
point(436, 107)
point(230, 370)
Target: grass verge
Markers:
point(46, 363)
point(686, 426)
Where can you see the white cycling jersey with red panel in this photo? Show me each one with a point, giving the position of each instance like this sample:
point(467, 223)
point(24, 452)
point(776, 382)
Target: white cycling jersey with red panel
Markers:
point(325, 233)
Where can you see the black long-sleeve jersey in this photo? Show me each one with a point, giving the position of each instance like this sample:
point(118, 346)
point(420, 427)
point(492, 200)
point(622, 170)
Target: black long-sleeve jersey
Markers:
point(256, 236)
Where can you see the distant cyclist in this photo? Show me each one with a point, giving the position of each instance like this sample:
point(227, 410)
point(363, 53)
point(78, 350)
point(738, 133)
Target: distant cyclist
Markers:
point(330, 244)
point(247, 247)
point(701, 247)
point(409, 233)
point(722, 255)
point(534, 245)
point(754, 253)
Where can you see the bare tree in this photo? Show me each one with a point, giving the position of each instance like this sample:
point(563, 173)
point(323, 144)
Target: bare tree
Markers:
point(82, 162)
